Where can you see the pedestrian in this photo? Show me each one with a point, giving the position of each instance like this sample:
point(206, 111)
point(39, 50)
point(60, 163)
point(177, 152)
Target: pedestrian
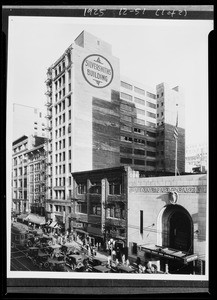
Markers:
point(109, 260)
point(123, 259)
point(113, 255)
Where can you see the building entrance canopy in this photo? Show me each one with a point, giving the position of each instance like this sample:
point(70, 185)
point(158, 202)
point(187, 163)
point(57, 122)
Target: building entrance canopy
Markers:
point(35, 219)
point(165, 252)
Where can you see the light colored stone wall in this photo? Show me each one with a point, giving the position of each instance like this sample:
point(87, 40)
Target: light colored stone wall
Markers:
point(151, 196)
point(82, 99)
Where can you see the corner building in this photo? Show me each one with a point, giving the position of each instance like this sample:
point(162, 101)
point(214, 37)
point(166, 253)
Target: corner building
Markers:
point(97, 119)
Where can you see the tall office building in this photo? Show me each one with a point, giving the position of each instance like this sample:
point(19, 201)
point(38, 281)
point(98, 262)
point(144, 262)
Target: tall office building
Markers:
point(98, 119)
point(28, 121)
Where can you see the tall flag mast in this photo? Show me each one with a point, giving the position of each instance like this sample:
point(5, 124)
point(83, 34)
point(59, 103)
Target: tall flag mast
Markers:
point(175, 134)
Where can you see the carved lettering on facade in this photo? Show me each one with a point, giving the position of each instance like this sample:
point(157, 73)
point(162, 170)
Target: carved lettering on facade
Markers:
point(167, 189)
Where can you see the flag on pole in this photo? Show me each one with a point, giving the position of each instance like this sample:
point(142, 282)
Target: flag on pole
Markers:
point(176, 133)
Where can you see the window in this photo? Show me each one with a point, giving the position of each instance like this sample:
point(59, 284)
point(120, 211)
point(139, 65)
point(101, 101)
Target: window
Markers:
point(64, 169)
point(139, 141)
point(126, 118)
point(69, 114)
point(151, 154)
point(151, 144)
point(138, 130)
point(134, 248)
point(126, 139)
point(162, 114)
point(69, 129)
point(114, 188)
point(139, 91)
point(64, 156)
point(150, 163)
point(69, 167)
point(95, 188)
point(82, 188)
point(69, 75)
point(139, 151)
point(150, 124)
point(139, 162)
point(70, 154)
point(126, 85)
point(151, 134)
point(63, 130)
point(125, 160)
point(63, 118)
point(139, 101)
point(139, 121)
point(64, 143)
point(126, 97)
point(126, 107)
point(70, 141)
point(125, 128)
point(69, 101)
point(60, 132)
point(95, 209)
point(56, 170)
point(140, 111)
point(56, 158)
point(69, 87)
point(149, 104)
point(141, 221)
point(64, 92)
point(125, 150)
point(150, 95)
point(81, 207)
point(150, 114)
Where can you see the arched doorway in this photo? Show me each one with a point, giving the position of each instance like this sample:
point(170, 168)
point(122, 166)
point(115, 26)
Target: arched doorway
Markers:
point(177, 234)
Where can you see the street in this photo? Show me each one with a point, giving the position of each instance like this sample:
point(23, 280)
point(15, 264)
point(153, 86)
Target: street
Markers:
point(19, 261)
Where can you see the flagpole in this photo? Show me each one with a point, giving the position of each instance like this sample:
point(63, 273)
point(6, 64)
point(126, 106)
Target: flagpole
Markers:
point(176, 138)
point(176, 157)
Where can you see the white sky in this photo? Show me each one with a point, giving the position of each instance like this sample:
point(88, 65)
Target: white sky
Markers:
point(150, 51)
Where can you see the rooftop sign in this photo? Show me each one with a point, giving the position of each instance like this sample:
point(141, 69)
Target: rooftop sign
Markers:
point(97, 71)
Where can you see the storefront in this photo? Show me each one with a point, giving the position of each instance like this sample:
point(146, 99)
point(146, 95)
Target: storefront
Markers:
point(169, 260)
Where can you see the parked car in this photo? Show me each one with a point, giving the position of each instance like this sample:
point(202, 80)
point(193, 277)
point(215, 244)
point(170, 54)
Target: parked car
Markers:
point(77, 261)
point(58, 266)
point(101, 269)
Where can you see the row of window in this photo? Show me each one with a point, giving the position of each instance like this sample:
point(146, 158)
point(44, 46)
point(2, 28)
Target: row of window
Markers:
point(125, 160)
point(137, 90)
point(60, 169)
point(138, 130)
point(114, 188)
point(138, 121)
point(138, 111)
point(137, 151)
point(61, 106)
point(137, 140)
point(137, 100)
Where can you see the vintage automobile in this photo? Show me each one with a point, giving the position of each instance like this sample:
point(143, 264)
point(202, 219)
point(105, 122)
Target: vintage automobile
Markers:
point(77, 262)
point(125, 269)
point(32, 240)
point(58, 266)
point(54, 250)
point(45, 241)
point(37, 257)
point(101, 269)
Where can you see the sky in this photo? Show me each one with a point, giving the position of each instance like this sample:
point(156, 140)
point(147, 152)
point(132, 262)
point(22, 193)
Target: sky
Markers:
point(150, 51)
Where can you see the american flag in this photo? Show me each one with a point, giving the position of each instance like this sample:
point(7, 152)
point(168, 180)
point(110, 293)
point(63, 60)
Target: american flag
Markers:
point(176, 133)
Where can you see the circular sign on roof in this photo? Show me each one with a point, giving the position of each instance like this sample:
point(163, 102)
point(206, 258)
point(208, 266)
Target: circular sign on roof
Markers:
point(97, 71)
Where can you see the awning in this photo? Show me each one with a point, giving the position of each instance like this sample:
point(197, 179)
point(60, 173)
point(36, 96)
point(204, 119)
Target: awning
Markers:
point(22, 216)
point(81, 231)
point(53, 224)
point(36, 219)
point(165, 252)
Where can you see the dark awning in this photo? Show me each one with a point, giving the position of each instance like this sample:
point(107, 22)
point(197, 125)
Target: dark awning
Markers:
point(165, 252)
point(36, 219)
